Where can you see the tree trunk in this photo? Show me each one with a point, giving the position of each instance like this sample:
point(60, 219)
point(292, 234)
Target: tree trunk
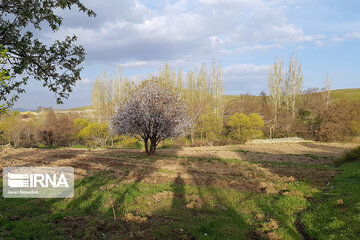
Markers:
point(152, 146)
point(192, 136)
point(275, 120)
point(293, 108)
point(146, 143)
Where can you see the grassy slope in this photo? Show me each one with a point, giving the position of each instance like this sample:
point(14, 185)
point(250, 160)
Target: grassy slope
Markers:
point(335, 214)
point(80, 108)
point(352, 94)
point(217, 213)
point(346, 94)
point(228, 98)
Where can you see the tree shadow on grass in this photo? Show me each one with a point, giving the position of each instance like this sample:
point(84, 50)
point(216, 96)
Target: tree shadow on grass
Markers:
point(197, 212)
point(199, 209)
point(95, 212)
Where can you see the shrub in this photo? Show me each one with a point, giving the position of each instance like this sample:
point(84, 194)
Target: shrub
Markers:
point(80, 123)
point(242, 127)
point(56, 129)
point(129, 142)
point(95, 133)
point(209, 126)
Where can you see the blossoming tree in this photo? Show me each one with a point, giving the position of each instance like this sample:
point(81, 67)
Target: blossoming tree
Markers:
point(151, 112)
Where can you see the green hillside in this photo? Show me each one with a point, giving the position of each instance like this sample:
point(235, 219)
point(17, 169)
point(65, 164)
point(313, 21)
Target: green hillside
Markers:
point(228, 98)
point(80, 108)
point(352, 94)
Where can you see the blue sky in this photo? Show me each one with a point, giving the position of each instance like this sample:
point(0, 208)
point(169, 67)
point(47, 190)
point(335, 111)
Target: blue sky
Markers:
point(246, 35)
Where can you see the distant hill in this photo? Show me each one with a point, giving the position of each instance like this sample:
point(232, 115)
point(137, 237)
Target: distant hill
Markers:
point(20, 109)
point(352, 94)
point(228, 98)
point(79, 108)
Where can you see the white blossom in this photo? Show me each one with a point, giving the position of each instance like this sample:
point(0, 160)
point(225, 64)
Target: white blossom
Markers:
point(153, 112)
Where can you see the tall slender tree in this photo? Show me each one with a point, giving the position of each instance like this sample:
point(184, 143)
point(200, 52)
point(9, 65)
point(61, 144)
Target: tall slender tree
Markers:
point(276, 82)
point(293, 84)
point(107, 92)
point(327, 91)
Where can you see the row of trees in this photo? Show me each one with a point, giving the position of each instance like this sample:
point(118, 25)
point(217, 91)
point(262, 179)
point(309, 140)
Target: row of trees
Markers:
point(154, 115)
point(285, 85)
point(285, 110)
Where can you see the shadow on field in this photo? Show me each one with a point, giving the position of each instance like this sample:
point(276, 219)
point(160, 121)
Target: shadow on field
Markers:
point(97, 209)
point(331, 149)
point(125, 195)
point(313, 169)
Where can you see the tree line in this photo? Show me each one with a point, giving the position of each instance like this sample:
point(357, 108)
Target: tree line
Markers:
point(190, 109)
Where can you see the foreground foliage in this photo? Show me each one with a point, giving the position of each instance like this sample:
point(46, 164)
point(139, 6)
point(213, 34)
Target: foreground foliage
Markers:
point(55, 65)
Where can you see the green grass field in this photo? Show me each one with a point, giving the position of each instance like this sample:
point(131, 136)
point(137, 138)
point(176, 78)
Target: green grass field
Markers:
point(224, 213)
point(335, 214)
point(194, 197)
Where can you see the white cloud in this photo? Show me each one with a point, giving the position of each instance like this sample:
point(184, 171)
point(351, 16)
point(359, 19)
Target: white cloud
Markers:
point(245, 78)
point(242, 50)
point(335, 39)
point(136, 64)
point(241, 68)
point(139, 64)
point(127, 30)
point(84, 82)
point(345, 37)
point(142, 34)
point(139, 77)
